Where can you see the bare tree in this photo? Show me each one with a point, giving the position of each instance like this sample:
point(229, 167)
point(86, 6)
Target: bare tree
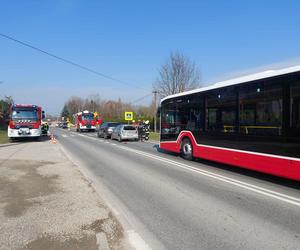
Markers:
point(110, 110)
point(75, 104)
point(176, 75)
point(4, 109)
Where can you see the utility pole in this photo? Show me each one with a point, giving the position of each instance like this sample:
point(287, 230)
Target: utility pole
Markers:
point(155, 92)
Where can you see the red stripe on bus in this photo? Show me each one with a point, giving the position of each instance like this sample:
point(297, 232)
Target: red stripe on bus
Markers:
point(282, 167)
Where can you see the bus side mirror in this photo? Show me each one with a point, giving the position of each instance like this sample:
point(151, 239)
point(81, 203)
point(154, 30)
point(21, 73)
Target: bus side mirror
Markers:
point(43, 115)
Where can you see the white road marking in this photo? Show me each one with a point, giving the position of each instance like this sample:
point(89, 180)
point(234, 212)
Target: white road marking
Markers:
point(134, 238)
point(136, 241)
point(263, 191)
point(276, 195)
point(63, 135)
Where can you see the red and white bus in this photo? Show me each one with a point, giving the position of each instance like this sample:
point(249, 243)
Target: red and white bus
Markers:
point(86, 121)
point(25, 121)
point(251, 122)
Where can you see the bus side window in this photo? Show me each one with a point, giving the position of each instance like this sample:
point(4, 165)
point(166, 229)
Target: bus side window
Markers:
point(261, 109)
point(296, 112)
point(295, 107)
point(195, 116)
point(221, 110)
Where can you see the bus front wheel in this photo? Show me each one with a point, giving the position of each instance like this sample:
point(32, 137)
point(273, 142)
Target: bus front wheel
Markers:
point(187, 149)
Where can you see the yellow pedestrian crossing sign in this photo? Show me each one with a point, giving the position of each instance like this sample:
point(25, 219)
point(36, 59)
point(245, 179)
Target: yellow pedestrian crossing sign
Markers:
point(128, 116)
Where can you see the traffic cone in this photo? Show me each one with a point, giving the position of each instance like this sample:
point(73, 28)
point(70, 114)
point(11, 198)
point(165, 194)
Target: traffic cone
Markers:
point(53, 140)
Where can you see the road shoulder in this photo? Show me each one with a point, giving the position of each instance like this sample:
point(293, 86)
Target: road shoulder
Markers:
point(46, 203)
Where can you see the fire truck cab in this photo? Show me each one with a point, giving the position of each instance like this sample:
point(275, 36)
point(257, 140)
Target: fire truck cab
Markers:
point(25, 121)
point(85, 121)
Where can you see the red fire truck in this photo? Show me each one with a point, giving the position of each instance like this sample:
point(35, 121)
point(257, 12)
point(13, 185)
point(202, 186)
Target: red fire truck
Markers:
point(25, 121)
point(86, 121)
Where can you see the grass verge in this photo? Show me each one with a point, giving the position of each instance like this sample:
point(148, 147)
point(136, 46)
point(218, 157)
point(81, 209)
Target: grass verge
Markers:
point(154, 136)
point(3, 136)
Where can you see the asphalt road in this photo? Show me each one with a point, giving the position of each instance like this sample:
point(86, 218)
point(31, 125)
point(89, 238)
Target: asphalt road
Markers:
point(176, 204)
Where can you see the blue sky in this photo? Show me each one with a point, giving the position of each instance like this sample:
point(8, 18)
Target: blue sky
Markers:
point(129, 40)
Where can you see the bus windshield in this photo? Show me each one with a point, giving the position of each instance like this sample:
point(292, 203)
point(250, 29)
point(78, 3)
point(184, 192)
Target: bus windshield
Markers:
point(25, 114)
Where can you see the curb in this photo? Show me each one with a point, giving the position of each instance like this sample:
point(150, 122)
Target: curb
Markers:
point(153, 141)
point(8, 144)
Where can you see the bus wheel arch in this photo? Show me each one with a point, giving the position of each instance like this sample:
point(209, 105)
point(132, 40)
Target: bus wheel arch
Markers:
point(186, 149)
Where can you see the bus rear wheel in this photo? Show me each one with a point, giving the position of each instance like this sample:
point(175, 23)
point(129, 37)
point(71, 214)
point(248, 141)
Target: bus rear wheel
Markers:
point(186, 149)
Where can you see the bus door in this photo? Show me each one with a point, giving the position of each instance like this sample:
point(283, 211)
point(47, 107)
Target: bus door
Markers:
point(296, 116)
point(295, 110)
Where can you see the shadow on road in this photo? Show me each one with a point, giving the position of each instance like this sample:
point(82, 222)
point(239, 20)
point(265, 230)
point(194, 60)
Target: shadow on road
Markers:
point(241, 171)
point(156, 146)
point(253, 174)
point(8, 145)
point(24, 140)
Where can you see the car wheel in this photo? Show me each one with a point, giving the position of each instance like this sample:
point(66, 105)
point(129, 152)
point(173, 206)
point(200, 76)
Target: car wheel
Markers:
point(187, 149)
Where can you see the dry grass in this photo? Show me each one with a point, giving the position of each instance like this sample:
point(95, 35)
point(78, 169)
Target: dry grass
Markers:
point(154, 136)
point(3, 136)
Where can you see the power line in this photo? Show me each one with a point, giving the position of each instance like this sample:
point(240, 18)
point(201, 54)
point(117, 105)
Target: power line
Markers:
point(140, 99)
point(69, 62)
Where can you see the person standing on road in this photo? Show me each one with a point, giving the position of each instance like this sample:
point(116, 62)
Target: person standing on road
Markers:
point(141, 131)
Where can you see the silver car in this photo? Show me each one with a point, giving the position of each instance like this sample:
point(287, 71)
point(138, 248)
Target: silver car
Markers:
point(125, 132)
point(106, 129)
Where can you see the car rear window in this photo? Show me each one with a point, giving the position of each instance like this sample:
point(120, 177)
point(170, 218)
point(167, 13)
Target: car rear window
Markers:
point(113, 124)
point(129, 128)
